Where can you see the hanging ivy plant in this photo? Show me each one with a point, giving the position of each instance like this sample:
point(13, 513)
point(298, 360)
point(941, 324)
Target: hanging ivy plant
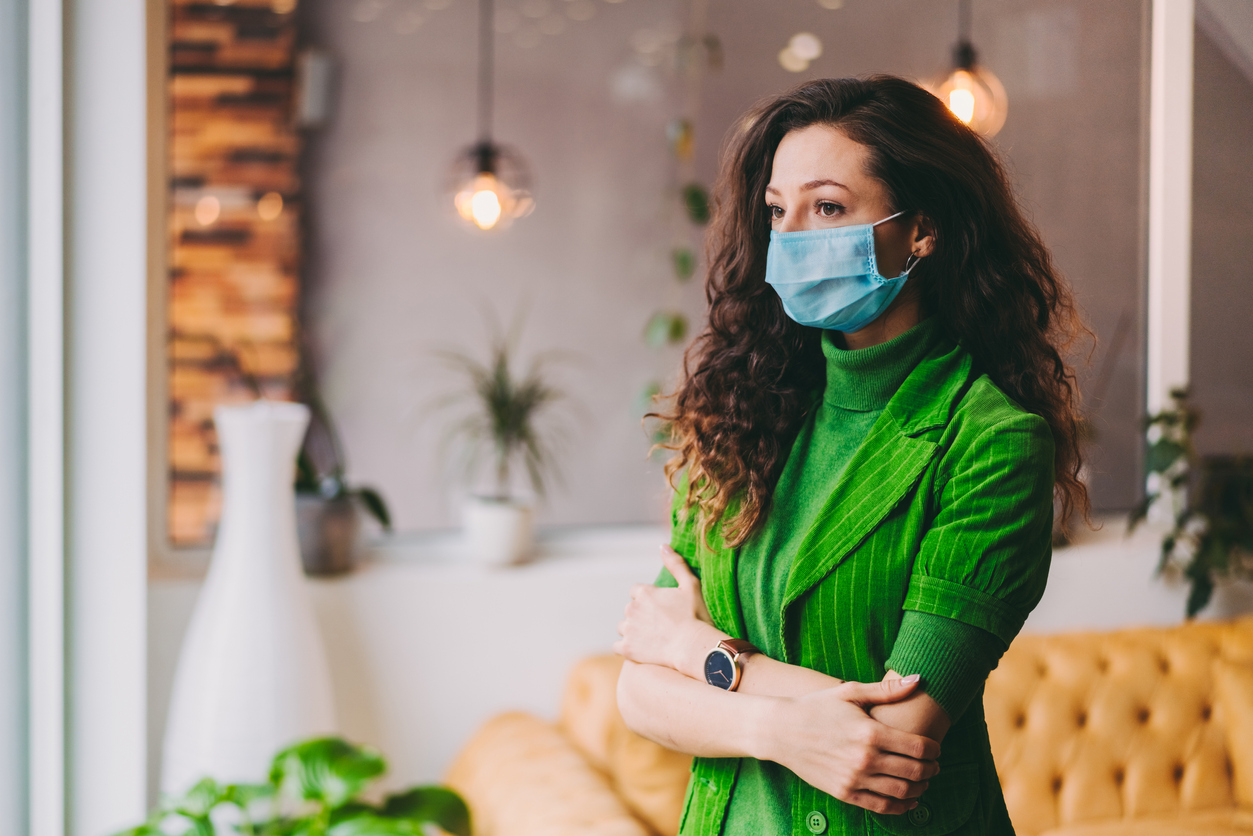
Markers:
point(696, 199)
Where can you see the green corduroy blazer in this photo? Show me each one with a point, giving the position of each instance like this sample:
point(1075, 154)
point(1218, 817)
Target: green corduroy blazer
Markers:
point(946, 508)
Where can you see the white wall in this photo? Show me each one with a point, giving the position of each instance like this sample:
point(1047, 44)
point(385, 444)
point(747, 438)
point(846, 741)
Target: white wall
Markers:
point(391, 275)
point(424, 648)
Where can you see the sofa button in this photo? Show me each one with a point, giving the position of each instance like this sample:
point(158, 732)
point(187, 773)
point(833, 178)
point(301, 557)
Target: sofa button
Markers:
point(920, 815)
point(816, 822)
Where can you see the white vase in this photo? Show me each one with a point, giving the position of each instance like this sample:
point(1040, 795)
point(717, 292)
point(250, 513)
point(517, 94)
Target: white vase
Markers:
point(252, 676)
point(498, 531)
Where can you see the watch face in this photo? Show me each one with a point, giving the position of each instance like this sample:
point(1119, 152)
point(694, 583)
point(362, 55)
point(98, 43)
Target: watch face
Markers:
point(719, 669)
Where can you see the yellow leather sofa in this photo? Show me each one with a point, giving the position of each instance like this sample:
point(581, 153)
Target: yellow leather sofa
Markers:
point(1144, 732)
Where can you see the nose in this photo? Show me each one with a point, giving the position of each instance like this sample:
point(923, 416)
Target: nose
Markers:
point(792, 221)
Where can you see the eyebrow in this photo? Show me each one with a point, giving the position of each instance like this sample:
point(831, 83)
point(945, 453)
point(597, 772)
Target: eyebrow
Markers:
point(811, 185)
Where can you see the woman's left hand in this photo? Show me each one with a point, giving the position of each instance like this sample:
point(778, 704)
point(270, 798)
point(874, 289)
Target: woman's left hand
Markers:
point(668, 626)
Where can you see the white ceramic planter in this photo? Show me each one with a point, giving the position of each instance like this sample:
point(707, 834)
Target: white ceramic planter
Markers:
point(499, 532)
point(252, 676)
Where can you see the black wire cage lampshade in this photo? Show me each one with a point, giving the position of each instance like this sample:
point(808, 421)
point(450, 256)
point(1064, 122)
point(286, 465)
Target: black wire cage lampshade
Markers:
point(974, 94)
point(489, 183)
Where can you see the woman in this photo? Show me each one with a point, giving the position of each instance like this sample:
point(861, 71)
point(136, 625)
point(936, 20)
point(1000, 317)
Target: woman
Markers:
point(868, 440)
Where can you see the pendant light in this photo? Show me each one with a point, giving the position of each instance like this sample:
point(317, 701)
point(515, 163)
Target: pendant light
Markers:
point(973, 93)
point(489, 183)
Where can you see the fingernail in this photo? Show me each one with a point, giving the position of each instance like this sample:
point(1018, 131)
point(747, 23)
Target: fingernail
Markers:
point(911, 679)
point(912, 806)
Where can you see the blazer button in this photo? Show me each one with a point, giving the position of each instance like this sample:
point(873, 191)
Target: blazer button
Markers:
point(816, 822)
point(920, 815)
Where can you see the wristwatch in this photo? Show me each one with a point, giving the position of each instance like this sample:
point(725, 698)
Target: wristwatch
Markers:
point(722, 665)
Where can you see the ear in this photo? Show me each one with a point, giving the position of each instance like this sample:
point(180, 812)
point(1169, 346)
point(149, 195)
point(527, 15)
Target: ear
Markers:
point(923, 238)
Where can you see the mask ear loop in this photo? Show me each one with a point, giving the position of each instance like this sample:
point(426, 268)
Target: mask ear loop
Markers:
point(888, 218)
point(911, 265)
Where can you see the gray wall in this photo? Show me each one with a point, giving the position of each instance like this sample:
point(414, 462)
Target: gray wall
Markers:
point(1222, 268)
point(392, 275)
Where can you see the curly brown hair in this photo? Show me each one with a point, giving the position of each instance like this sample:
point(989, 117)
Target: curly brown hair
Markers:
point(750, 378)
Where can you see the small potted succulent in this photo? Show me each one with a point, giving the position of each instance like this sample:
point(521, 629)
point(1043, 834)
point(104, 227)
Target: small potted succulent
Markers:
point(314, 789)
point(328, 509)
point(497, 426)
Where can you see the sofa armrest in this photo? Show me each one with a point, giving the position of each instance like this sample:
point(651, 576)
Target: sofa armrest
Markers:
point(522, 777)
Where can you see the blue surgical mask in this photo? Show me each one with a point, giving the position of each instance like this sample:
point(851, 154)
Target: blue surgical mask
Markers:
point(828, 278)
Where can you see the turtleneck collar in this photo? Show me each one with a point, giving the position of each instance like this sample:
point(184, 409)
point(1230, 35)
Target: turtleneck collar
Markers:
point(865, 379)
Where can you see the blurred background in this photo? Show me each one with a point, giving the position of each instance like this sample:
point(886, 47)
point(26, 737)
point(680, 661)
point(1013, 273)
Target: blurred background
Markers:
point(381, 209)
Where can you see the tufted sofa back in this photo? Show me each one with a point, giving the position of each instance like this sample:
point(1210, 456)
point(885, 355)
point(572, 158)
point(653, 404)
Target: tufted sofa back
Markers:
point(1109, 725)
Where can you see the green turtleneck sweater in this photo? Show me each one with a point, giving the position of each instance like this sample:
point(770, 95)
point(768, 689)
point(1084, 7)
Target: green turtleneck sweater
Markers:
point(954, 658)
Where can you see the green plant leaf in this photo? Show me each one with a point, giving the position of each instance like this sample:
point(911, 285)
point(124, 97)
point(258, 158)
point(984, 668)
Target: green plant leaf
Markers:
point(1162, 454)
point(142, 830)
point(327, 769)
point(373, 825)
point(696, 201)
point(678, 328)
point(373, 502)
point(504, 422)
point(306, 474)
point(438, 805)
point(684, 261)
point(245, 794)
point(1163, 559)
point(196, 804)
point(1201, 592)
point(665, 328)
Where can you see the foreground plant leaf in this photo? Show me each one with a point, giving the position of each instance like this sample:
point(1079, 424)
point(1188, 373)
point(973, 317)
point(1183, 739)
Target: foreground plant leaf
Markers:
point(371, 825)
point(437, 805)
point(327, 769)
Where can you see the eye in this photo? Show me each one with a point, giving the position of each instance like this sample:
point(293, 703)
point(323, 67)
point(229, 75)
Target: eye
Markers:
point(828, 209)
point(775, 212)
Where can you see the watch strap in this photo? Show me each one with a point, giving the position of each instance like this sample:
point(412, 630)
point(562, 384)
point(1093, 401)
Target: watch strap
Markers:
point(737, 647)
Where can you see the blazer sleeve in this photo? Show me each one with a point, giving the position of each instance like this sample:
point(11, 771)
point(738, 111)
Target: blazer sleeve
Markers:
point(985, 559)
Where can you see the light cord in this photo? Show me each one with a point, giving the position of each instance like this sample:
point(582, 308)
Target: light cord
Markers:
point(486, 68)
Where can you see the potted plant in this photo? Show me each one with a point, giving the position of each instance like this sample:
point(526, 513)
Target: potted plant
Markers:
point(314, 789)
point(328, 509)
point(497, 426)
point(1208, 532)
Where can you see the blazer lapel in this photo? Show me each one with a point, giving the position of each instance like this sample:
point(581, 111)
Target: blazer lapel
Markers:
point(885, 468)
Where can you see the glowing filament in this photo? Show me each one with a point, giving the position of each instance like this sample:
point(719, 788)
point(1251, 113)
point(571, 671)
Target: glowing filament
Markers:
point(962, 103)
point(481, 203)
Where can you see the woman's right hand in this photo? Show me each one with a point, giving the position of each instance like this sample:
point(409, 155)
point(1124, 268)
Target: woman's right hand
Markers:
point(830, 741)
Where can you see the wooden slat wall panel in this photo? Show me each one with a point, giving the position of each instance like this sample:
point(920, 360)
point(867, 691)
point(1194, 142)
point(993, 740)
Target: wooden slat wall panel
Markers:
point(234, 281)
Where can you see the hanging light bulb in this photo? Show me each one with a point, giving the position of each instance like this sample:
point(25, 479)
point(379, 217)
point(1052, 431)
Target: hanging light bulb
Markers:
point(490, 186)
point(971, 91)
point(490, 183)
